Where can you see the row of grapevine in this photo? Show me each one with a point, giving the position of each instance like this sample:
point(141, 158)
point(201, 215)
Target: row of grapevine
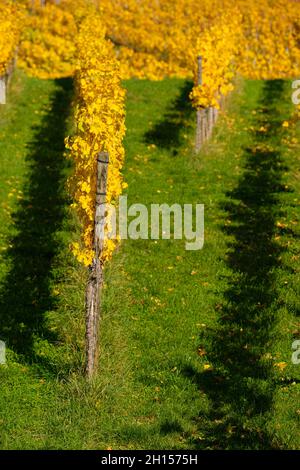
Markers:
point(218, 48)
point(258, 39)
point(168, 32)
point(97, 144)
point(54, 41)
point(100, 127)
point(10, 30)
point(48, 44)
point(100, 42)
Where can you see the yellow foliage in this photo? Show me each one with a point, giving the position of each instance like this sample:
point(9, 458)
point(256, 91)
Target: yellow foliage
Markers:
point(10, 28)
point(256, 38)
point(218, 47)
point(155, 39)
point(48, 45)
point(100, 120)
point(101, 41)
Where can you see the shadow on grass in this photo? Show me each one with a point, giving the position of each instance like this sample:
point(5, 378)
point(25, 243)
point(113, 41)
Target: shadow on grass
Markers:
point(241, 385)
point(167, 133)
point(26, 295)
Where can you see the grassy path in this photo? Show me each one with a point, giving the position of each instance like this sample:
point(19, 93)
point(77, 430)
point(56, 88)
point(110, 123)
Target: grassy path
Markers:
point(168, 313)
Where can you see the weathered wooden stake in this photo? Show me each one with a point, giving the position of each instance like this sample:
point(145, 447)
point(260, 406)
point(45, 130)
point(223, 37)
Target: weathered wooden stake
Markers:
point(3, 90)
point(210, 120)
point(204, 125)
point(200, 112)
point(222, 101)
point(215, 114)
point(95, 280)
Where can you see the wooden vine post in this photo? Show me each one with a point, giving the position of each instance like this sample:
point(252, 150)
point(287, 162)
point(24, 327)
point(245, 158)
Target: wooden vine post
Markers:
point(3, 90)
point(95, 280)
point(200, 124)
point(5, 80)
point(210, 121)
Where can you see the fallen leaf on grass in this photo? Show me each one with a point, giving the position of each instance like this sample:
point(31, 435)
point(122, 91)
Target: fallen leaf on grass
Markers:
point(280, 365)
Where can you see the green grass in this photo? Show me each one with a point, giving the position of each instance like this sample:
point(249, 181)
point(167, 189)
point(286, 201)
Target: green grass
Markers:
point(166, 312)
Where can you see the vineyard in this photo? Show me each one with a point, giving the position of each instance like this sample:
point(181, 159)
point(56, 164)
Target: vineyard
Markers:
point(116, 338)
